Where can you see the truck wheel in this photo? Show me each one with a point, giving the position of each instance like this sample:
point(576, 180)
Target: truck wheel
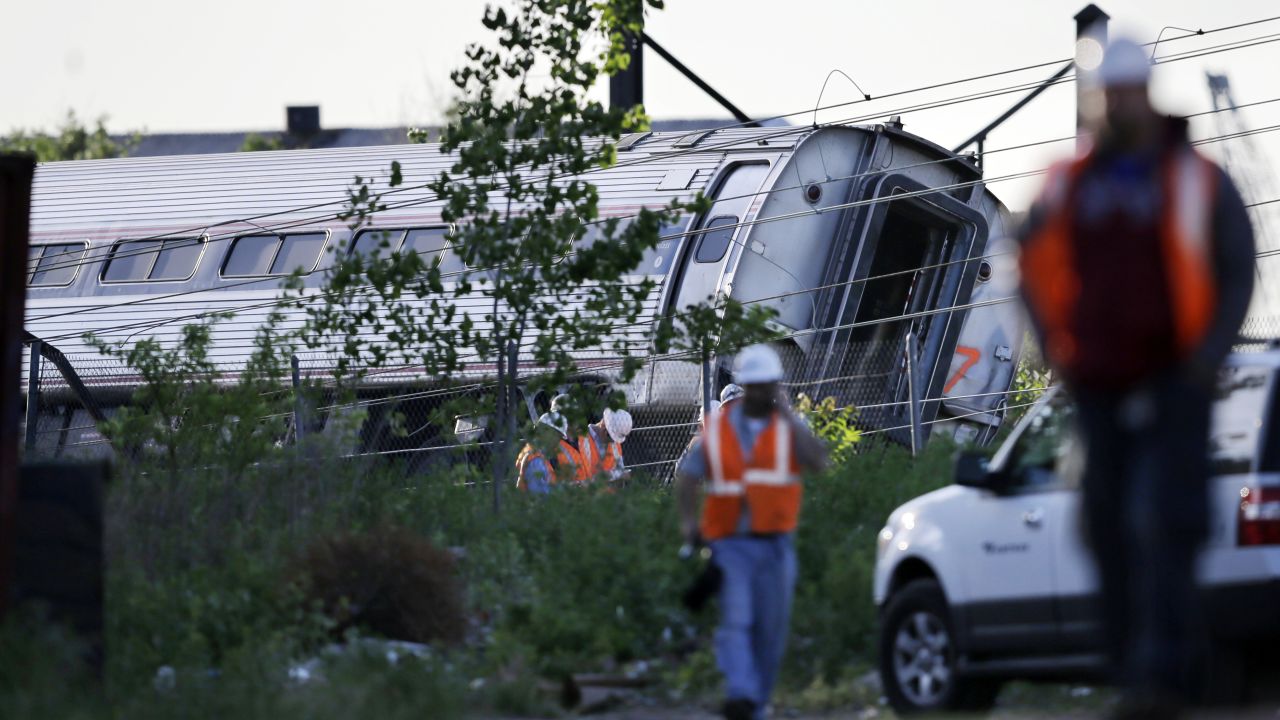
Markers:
point(918, 655)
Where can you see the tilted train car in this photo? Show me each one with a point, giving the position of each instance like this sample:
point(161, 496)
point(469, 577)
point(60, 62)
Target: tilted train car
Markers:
point(861, 237)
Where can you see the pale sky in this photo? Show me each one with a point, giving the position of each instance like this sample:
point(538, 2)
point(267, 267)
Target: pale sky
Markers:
point(180, 65)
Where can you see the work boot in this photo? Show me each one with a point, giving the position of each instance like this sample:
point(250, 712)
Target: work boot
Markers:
point(739, 709)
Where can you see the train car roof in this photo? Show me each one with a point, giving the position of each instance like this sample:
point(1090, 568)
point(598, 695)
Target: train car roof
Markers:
point(158, 193)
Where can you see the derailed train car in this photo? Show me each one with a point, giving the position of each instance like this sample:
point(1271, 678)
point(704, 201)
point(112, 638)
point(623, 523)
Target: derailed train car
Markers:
point(871, 243)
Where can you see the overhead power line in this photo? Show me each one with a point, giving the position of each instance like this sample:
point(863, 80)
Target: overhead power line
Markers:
point(660, 156)
point(151, 324)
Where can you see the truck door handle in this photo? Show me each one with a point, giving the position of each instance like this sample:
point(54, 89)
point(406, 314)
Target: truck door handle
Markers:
point(1033, 517)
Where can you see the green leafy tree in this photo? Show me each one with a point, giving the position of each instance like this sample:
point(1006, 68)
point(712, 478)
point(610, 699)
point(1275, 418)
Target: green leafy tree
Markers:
point(717, 328)
point(253, 142)
point(525, 137)
point(187, 414)
point(1032, 377)
point(73, 140)
point(834, 424)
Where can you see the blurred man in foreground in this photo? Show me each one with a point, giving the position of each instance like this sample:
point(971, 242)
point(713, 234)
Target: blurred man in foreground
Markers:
point(1137, 267)
point(752, 450)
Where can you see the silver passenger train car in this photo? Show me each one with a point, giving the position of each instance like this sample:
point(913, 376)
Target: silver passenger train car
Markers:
point(861, 237)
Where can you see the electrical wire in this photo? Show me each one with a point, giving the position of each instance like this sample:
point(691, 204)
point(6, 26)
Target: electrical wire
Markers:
point(656, 157)
point(756, 221)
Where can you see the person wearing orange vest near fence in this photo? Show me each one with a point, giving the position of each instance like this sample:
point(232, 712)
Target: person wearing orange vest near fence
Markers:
point(1137, 266)
point(601, 445)
point(548, 458)
point(751, 452)
point(561, 407)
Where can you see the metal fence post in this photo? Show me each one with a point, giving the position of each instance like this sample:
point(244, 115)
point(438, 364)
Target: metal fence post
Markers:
point(299, 406)
point(913, 393)
point(707, 391)
point(33, 397)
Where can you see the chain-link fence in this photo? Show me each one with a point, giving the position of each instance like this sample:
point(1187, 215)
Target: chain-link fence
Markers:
point(64, 412)
point(904, 383)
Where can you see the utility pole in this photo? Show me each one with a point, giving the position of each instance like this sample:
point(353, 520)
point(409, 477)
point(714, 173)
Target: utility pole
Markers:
point(16, 172)
point(626, 89)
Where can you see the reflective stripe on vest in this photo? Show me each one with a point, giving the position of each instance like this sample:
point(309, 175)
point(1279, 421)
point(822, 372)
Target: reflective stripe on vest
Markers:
point(1051, 281)
point(593, 460)
point(768, 482)
point(569, 456)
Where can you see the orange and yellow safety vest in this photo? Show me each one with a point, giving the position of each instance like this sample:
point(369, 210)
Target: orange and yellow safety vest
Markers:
point(768, 479)
point(567, 457)
point(1050, 277)
point(597, 462)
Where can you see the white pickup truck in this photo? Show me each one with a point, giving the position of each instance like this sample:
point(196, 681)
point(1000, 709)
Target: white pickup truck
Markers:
point(989, 579)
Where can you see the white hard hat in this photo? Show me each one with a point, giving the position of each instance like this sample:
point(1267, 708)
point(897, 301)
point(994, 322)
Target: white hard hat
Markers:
point(1124, 63)
point(557, 421)
point(618, 423)
point(757, 364)
point(732, 391)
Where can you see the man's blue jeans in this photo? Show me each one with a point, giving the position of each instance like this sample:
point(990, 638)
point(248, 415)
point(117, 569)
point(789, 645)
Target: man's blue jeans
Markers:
point(1146, 512)
point(755, 609)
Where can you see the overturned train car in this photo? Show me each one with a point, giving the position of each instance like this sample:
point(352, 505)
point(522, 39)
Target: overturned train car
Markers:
point(873, 245)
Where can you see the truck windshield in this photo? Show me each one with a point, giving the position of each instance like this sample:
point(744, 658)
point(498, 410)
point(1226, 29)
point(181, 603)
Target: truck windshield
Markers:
point(1045, 444)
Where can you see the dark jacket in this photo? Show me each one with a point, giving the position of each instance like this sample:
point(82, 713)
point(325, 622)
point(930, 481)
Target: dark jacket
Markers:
point(1233, 259)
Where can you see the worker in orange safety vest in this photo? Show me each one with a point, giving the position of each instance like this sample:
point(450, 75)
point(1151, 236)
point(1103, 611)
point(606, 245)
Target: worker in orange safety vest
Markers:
point(601, 445)
point(549, 457)
point(1137, 265)
point(751, 452)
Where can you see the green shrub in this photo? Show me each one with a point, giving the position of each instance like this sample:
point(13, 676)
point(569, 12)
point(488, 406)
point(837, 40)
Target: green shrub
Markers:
point(43, 673)
point(834, 619)
point(582, 580)
point(388, 581)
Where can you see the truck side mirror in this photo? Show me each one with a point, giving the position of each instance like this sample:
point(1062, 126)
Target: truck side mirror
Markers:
point(971, 470)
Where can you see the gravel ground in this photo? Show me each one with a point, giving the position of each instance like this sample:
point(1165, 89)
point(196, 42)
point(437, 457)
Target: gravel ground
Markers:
point(685, 713)
point(1020, 703)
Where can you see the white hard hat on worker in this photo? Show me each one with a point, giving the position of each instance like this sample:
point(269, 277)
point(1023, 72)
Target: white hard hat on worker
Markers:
point(1124, 64)
point(757, 365)
point(618, 424)
point(732, 391)
point(557, 421)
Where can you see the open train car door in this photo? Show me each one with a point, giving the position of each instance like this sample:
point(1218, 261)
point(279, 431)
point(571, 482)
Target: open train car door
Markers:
point(916, 258)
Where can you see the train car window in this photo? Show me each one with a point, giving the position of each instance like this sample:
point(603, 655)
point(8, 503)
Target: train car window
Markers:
point(177, 261)
point(141, 260)
point(132, 261)
point(381, 242)
point(431, 244)
point(715, 238)
point(298, 251)
point(53, 265)
point(251, 255)
point(658, 260)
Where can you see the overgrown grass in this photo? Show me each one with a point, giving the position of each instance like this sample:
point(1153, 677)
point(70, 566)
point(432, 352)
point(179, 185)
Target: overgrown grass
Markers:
point(203, 620)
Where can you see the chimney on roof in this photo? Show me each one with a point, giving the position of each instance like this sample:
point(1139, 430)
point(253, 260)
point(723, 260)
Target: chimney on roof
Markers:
point(302, 121)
